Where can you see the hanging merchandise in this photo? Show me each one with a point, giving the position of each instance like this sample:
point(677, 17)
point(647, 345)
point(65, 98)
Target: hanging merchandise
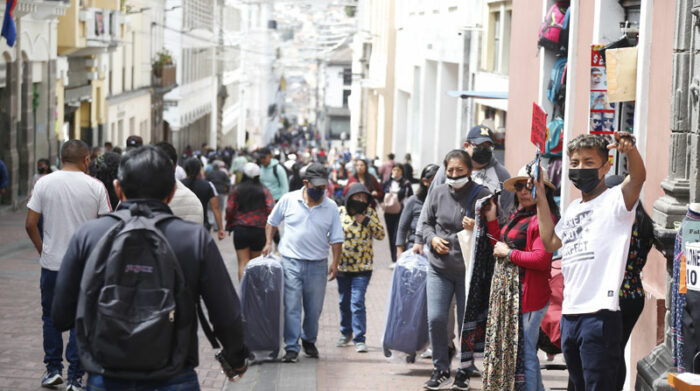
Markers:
point(556, 90)
point(554, 32)
point(685, 300)
point(621, 69)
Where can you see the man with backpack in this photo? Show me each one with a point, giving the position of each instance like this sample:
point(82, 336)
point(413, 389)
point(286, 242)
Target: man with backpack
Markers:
point(273, 175)
point(66, 199)
point(131, 285)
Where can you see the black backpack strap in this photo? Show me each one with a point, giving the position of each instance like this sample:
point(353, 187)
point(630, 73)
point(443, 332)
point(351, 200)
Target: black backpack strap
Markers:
point(277, 175)
point(472, 194)
point(204, 322)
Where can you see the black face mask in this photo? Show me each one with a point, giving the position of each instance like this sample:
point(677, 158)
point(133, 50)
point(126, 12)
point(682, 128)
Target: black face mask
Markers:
point(356, 207)
point(482, 155)
point(43, 170)
point(315, 193)
point(585, 179)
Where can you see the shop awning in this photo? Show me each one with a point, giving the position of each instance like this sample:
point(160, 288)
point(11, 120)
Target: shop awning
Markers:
point(478, 94)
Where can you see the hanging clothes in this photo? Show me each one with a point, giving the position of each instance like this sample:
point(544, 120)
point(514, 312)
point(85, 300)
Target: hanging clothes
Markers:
point(478, 287)
point(503, 355)
point(682, 355)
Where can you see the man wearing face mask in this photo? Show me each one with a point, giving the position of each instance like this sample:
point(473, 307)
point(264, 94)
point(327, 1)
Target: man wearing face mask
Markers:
point(594, 238)
point(311, 225)
point(66, 199)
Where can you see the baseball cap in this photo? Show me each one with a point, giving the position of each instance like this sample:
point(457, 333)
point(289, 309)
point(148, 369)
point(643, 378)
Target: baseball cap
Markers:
point(134, 141)
point(316, 174)
point(480, 134)
point(251, 170)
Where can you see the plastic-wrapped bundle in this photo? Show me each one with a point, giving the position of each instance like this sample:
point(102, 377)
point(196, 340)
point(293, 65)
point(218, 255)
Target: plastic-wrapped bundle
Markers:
point(262, 300)
point(406, 326)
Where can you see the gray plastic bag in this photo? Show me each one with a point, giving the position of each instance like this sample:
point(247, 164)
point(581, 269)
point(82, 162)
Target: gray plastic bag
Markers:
point(262, 299)
point(406, 325)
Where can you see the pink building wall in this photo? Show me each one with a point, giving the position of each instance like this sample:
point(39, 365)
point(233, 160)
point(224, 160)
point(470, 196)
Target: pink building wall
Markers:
point(524, 86)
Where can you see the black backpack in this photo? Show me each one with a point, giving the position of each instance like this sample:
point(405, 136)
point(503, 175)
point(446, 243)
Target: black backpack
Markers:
point(287, 171)
point(135, 312)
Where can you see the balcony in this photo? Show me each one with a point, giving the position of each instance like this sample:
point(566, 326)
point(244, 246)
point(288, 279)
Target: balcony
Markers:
point(163, 78)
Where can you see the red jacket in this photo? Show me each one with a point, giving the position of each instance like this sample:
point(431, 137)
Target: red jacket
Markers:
point(374, 186)
point(537, 264)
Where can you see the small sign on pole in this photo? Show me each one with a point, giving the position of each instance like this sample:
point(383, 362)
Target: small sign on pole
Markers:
point(538, 134)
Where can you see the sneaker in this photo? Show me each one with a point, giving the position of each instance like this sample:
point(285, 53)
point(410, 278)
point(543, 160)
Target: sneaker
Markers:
point(290, 356)
point(472, 371)
point(392, 266)
point(427, 354)
point(343, 340)
point(360, 347)
point(74, 385)
point(461, 380)
point(52, 378)
point(437, 379)
point(309, 349)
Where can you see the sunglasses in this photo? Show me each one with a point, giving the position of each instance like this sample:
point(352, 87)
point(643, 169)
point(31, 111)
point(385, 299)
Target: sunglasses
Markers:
point(522, 185)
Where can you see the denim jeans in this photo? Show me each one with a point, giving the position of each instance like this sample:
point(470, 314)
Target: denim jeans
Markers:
point(531, 332)
point(591, 347)
point(304, 285)
point(353, 317)
point(186, 381)
point(53, 340)
point(441, 289)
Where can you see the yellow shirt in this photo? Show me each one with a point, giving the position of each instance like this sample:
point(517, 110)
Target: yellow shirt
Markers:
point(357, 254)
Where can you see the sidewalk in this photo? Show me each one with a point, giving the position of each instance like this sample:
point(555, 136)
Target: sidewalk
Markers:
point(338, 369)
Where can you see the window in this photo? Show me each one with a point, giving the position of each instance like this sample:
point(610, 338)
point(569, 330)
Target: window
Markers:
point(346, 96)
point(347, 76)
point(497, 38)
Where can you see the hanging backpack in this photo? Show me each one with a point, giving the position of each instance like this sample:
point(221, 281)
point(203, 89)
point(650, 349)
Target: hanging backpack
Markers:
point(554, 144)
point(554, 33)
point(135, 314)
point(556, 90)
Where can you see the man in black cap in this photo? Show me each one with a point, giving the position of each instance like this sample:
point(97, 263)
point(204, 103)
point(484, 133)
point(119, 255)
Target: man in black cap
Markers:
point(311, 222)
point(133, 141)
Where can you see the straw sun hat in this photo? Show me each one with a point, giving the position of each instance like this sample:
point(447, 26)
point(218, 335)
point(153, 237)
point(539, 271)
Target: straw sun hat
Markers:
point(509, 184)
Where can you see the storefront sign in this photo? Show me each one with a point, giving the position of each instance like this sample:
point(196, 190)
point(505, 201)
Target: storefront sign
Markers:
point(621, 70)
point(692, 269)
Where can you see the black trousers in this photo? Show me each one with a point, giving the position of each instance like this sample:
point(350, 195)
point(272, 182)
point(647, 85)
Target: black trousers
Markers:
point(631, 310)
point(392, 227)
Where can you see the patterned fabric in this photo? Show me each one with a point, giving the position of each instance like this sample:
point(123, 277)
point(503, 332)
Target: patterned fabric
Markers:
point(503, 355)
point(479, 275)
point(357, 253)
point(678, 295)
point(514, 234)
point(639, 249)
point(254, 218)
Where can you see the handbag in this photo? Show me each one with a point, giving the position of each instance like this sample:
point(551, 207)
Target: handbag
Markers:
point(392, 205)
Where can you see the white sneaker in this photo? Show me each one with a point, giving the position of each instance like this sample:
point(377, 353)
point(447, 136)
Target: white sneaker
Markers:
point(427, 354)
point(343, 340)
point(360, 347)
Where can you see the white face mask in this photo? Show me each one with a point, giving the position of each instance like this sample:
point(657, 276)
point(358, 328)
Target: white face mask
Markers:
point(457, 183)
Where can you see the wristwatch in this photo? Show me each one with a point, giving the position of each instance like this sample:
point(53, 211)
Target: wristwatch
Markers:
point(509, 252)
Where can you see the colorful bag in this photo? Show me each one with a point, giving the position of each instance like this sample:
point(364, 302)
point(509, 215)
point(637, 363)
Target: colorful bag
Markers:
point(554, 32)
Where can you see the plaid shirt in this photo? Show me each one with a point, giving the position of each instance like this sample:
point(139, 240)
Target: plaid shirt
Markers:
point(254, 218)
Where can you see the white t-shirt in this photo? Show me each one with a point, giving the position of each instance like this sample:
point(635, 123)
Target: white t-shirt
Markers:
point(66, 199)
point(180, 173)
point(595, 238)
point(486, 177)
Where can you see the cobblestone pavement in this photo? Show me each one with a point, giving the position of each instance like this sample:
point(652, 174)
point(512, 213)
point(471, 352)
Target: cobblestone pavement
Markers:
point(338, 369)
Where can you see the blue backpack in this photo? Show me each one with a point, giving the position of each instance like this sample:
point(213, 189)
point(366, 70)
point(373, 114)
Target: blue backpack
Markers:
point(556, 91)
point(554, 145)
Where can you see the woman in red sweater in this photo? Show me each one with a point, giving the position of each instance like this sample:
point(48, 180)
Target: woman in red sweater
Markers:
point(521, 244)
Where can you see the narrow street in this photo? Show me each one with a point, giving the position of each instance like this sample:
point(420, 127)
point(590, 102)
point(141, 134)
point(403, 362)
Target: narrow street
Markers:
point(338, 369)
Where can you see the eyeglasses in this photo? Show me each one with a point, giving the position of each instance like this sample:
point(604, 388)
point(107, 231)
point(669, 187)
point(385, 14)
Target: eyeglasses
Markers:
point(596, 121)
point(522, 185)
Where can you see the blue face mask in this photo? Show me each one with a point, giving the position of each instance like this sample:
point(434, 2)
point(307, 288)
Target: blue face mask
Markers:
point(315, 193)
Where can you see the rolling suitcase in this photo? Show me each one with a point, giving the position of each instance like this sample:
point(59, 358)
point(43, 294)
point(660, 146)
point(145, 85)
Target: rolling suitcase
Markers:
point(262, 300)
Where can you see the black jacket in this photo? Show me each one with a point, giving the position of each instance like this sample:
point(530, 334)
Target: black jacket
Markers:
point(201, 264)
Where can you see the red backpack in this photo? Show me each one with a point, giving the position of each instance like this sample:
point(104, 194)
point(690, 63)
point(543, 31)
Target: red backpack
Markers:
point(554, 31)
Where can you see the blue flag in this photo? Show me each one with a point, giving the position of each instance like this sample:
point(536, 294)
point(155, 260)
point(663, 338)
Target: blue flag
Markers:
point(9, 30)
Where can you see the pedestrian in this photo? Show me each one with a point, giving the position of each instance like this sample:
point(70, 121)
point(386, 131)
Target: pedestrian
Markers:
point(312, 225)
point(396, 189)
point(184, 203)
point(43, 168)
point(205, 191)
point(450, 209)
point(520, 244)
point(133, 141)
point(222, 183)
point(4, 178)
point(369, 181)
point(406, 233)
point(108, 146)
point(385, 170)
point(594, 238)
point(361, 225)
point(249, 205)
point(632, 290)
point(408, 168)
point(66, 199)
point(273, 175)
point(145, 184)
point(104, 168)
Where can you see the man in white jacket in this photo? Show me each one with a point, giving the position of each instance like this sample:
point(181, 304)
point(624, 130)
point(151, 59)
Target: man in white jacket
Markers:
point(185, 203)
